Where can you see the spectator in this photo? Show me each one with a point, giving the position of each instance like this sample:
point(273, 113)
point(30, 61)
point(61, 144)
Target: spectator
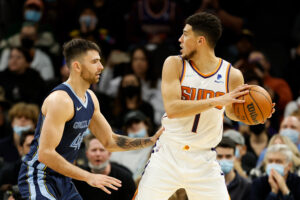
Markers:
point(34, 12)
point(8, 151)
point(130, 98)
point(154, 22)
point(136, 124)
point(98, 162)
point(292, 106)
point(238, 187)
point(27, 39)
point(244, 161)
point(259, 170)
point(290, 127)
point(257, 141)
point(23, 117)
point(21, 83)
point(279, 183)
point(10, 171)
point(278, 85)
point(142, 67)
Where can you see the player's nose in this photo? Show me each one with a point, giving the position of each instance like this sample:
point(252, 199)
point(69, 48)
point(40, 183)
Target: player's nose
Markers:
point(180, 39)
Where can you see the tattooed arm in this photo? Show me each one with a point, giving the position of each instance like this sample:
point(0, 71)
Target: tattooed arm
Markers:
point(114, 142)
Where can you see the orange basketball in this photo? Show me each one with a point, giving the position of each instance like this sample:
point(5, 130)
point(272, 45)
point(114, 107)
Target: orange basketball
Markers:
point(257, 107)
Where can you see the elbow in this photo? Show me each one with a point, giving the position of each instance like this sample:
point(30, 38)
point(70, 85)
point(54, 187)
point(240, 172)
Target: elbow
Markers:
point(109, 144)
point(42, 157)
point(171, 113)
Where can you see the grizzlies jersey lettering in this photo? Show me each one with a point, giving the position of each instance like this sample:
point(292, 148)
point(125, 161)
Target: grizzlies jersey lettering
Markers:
point(203, 130)
point(73, 133)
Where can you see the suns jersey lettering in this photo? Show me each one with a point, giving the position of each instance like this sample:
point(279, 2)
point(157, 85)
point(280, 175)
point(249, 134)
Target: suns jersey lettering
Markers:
point(204, 129)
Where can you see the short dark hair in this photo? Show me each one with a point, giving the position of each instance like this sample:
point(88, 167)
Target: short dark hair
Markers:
point(24, 135)
point(88, 139)
point(206, 24)
point(76, 47)
point(226, 142)
point(26, 53)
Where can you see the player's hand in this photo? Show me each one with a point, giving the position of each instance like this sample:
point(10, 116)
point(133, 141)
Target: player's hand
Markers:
point(103, 182)
point(232, 97)
point(273, 110)
point(157, 134)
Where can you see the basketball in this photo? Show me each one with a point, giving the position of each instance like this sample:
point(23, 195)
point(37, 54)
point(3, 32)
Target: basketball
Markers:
point(257, 107)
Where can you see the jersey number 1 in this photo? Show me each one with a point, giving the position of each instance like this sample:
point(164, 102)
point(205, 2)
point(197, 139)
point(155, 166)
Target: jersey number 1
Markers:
point(196, 122)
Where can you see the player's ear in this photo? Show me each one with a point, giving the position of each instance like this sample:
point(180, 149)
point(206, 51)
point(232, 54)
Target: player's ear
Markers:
point(76, 66)
point(201, 40)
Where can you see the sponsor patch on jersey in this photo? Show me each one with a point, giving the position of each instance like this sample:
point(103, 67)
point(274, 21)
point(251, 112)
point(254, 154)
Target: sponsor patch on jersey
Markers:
point(219, 79)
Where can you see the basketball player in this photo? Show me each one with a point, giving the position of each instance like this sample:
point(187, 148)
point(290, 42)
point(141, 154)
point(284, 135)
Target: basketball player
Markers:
point(66, 113)
point(197, 87)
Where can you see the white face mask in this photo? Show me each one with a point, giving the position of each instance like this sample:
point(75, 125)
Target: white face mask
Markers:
point(140, 134)
point(292, 134)
point(20, 129)
point(98, 169)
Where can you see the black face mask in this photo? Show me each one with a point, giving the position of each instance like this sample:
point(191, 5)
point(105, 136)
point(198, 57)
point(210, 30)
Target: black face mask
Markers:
point(27, 43)
point(131, 91)
point(257, 129)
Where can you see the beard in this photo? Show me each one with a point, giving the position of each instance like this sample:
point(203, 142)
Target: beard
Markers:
point(88, 76)
point(189, 56)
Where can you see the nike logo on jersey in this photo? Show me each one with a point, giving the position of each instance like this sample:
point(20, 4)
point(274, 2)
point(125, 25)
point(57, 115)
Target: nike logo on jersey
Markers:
point(78, 108)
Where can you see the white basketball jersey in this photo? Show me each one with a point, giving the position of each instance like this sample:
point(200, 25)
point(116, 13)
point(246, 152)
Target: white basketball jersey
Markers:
point(203, 130)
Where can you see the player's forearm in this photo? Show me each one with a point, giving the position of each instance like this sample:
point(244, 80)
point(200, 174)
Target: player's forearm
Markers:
point(124, 143)
point(183, 108)
point(56, 162)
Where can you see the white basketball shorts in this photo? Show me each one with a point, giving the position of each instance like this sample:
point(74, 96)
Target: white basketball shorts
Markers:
point(173, 166)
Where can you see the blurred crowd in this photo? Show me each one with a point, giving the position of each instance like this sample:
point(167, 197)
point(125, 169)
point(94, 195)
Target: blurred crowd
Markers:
point(261, 38)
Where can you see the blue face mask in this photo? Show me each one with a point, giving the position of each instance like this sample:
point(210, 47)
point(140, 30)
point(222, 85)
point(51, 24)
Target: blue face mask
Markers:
point(278, 167)
point(33, 15)
point(88, 20)
point(20, 129)
point(226, 165)
point(140, 134)
point(237, 152)
point(292, 134)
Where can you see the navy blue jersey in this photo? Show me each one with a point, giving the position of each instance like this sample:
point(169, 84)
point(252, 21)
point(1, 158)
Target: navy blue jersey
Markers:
point(73, 133)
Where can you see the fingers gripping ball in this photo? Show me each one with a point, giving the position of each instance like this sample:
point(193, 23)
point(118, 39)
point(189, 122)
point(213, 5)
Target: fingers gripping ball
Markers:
point(257, 107)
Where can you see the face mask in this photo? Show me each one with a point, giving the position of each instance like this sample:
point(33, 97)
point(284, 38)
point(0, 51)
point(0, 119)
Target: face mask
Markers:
point(98, 168)
point(278, 167)
point(88, 20)
point(20, 129)
point(226, 165)
point(257, 129)
point(131, 91)
point(140, 134)
point(27, 43)
point(237, 152)
point(33, 15)
point(292, 134)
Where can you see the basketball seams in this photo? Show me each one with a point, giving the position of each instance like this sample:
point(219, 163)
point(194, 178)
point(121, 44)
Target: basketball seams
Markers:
point(263, 117)
point(245, 114)
point(263, 95)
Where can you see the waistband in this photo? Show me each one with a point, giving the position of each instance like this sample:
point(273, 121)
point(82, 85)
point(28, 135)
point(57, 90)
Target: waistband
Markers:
point(182, 145)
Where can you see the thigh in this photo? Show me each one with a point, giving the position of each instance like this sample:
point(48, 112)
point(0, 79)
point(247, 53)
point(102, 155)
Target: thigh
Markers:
point(34, 187)
point(160, 179)
point(211, 190)
point(208, 185)
point(70, 192)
